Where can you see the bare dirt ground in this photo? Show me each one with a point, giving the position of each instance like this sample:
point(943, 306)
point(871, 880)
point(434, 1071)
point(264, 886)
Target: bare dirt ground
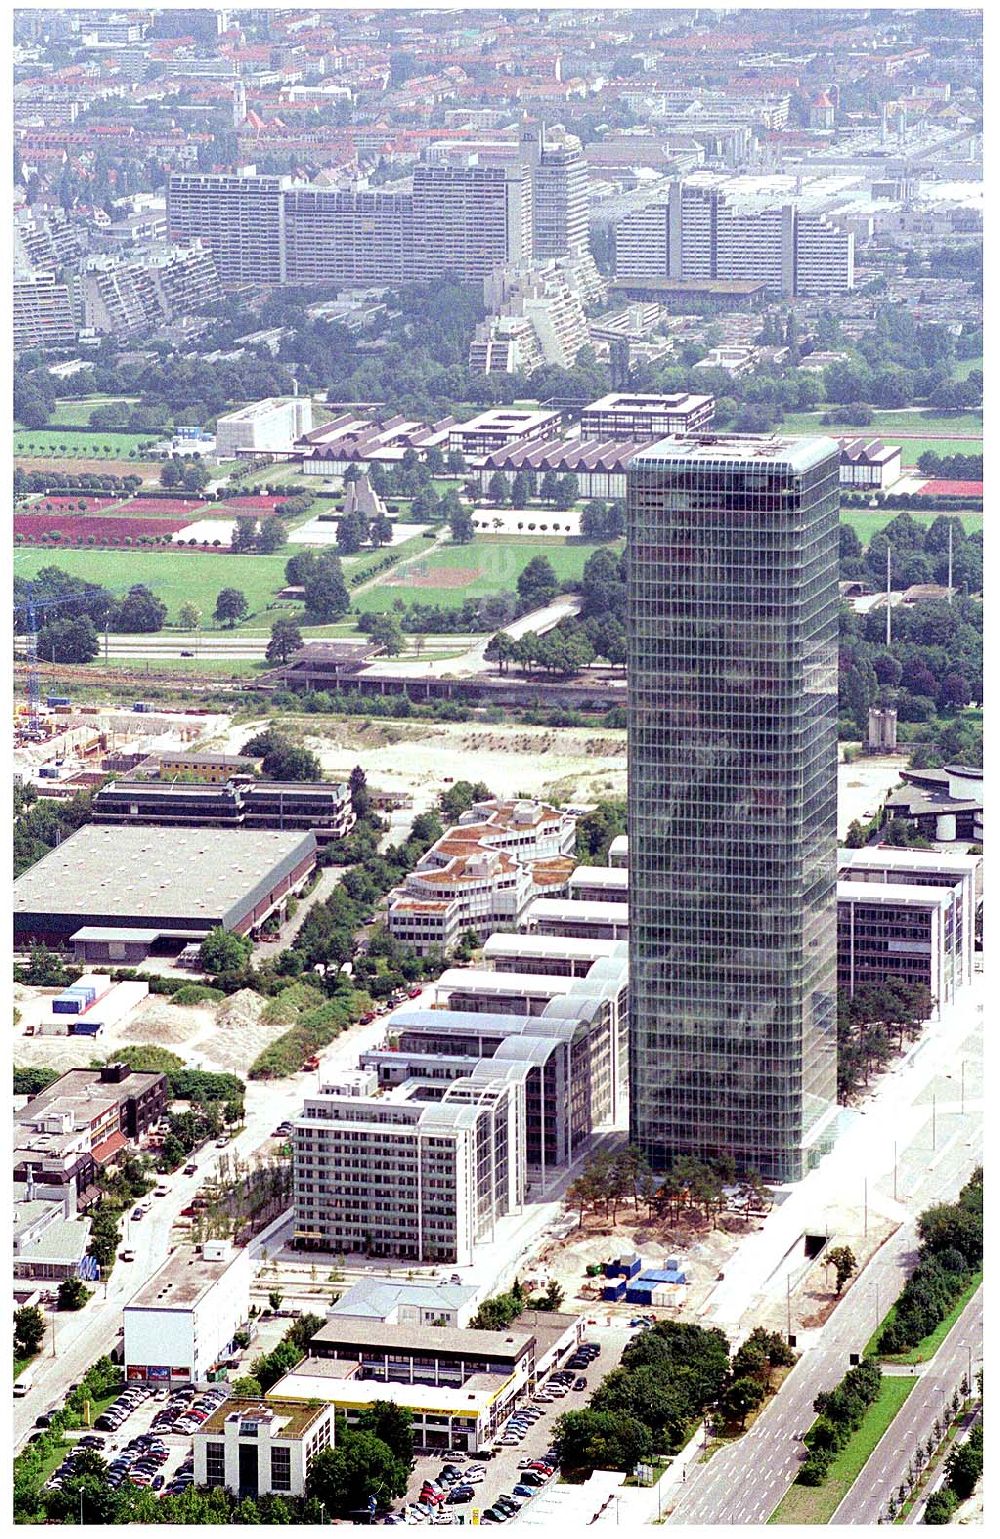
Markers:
point(423, 758)
point(862, 788)
point(226, 1037)
point(702, 1251)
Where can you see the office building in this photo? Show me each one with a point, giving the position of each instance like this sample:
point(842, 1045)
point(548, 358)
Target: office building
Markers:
point(571, 917)
point(261, 1447)
point(868, 464)
point(399, 1176)
point(621, 415)
point(178, 882)
point(482, 873)
point(272, 424)
point(81, 1125)
point(732, 685)
point(906, 916)
point(183, 1320)
point(50, 1237)
point(275, 804)
point(500, 426)
point(418, 1302)
point(560, 956)
point(598, 884)
point(945, 805)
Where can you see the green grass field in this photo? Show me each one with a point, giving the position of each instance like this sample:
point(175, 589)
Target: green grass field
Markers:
point(176, 579)
point(64, 442)
point(913, 448)
point(450, 574)
point(925, 1350)
point(866, 524)
point(77, 412)
point(817, 1504)
point(965, 366)
point(933, 424)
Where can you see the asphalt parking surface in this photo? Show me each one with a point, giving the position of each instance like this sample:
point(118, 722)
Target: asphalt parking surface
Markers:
point(502, 1471)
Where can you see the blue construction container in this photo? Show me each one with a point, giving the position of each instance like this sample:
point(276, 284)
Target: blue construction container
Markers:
point(624, 1266)
point(639, 1292)
point(51, 700)
point(86, 1028)
point(613, 1293)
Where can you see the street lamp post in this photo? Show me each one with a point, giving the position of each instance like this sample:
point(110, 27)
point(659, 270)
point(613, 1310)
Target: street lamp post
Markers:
point(934, 1121)
point(895, 1169)
point(963, 1088)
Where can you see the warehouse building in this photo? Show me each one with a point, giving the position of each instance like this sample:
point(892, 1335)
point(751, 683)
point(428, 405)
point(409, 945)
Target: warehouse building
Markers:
point(183, 1320)
point(180, 882)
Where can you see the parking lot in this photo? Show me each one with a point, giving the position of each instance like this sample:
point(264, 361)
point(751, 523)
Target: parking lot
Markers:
point(151, 1445)
point(501, 1472)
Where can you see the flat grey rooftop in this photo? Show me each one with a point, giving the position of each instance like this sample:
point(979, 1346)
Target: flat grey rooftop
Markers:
point(106, 870)
point(764, 449)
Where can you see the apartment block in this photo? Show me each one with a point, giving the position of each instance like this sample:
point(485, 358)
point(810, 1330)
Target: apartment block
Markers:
point(126, 297)
point(704, 234)
point(482, 873)
point(269, 230)
point(43, 312)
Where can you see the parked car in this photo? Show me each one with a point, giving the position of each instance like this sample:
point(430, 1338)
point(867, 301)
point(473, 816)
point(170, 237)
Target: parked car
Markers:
point(580, 1383)
point(191, 1168)
point(137, 1214)
point(460, 1494)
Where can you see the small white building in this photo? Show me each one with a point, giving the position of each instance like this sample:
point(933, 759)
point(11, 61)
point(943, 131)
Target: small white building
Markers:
point(266, 426)
point(261, 1447)
point(182, 1321)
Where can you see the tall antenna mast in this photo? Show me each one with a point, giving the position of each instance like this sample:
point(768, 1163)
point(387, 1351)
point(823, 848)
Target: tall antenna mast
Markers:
point(951, 537)
point(888, 595)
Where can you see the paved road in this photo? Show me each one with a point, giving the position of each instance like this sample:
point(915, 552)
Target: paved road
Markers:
point(916, 1135)
point(916, 1512)
point(886, 1469)
point(744, 1482)
point(329, 877)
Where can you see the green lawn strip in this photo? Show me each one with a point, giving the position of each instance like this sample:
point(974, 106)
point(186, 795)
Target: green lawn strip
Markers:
point(866, 524)
point(76, 412)
point(817, 1504)
point(139, 667)
point(924, 1350)
point(933, 424)
point(913, 448)
point(20, 1363)
point(198, 576)
point(73, 443)
point(964, 367)
point(489, 564)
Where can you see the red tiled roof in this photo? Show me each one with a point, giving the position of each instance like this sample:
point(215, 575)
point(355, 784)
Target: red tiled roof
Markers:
point(104, 1153)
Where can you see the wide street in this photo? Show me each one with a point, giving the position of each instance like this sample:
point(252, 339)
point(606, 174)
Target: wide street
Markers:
point(920, 1132)
point(959, 1356)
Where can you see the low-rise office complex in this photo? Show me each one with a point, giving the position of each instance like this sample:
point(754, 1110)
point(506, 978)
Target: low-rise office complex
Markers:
point(945, 805)
point(576, 917)
point(646, 416)
point(263, 425)
point(284, 805)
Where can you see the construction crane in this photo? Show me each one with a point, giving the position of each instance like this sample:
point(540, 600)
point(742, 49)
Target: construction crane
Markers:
point(30, 609)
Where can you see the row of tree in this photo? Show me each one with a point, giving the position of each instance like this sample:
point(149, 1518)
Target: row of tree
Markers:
point(873, 1024)
point(951, 1252)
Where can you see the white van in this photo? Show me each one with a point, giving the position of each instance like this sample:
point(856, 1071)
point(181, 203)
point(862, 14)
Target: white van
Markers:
point(24, 1383)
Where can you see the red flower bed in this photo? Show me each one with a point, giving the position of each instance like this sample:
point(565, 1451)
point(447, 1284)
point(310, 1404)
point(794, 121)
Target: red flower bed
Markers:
point(158, 505)
point(260, 505)
point(67, 503)
point(951, 489)
point(35, 528)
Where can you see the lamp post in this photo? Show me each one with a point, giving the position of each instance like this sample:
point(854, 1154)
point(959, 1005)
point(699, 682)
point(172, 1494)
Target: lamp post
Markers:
point(895, 1169)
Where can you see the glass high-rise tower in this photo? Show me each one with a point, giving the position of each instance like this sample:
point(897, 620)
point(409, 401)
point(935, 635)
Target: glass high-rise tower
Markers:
point(732, 718)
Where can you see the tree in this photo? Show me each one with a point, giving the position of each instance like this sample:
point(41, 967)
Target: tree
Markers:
point(274, 1299)
point(380, 532)
point(393, 1424)
point(360, 1466)
point(247, 1386)
point(73, 1293)
point(170, 474)
point(521, 490)
point(351, 534)
point(567, 492)
point(964, 1467)
point(549, 489)
point(286, 638)
point(68, 641)
point(538, 584)
point(271, 536)
point(189, 616)
point(244, 535)
point(607, 1440)
point(29, 1330)
point(461, 525)
point(325, 591)
point(285, 761)
point(139, 613)
point(388, 633)
point(740, 1398)
point(231, 606)
point(223, 952)
point(498, 490)
point(843, 1261)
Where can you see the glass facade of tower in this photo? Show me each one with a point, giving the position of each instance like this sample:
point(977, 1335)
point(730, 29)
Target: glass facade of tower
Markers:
point(732, 787)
